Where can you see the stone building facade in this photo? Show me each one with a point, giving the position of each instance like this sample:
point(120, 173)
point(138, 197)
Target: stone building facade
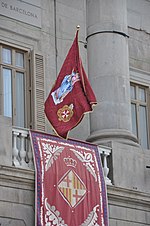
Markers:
point(114, 42)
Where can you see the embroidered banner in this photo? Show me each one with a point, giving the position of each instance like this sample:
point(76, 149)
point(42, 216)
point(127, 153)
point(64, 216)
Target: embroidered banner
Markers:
point(70, 187)
point(71, 96)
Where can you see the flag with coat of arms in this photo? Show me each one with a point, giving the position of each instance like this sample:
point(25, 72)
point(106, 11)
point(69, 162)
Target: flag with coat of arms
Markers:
point(71, 96)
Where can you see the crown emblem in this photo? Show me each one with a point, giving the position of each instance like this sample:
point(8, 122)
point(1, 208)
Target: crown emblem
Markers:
point(70, 162)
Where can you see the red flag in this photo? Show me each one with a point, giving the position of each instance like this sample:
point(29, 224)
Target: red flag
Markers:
point(71, 96)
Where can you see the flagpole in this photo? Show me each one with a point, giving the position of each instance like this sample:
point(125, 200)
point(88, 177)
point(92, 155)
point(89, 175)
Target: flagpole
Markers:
point(78, 28)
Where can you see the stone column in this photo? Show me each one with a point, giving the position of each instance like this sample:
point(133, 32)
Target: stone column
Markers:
point(108, 69)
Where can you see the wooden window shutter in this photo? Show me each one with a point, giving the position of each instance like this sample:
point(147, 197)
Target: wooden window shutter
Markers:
point(38, 114)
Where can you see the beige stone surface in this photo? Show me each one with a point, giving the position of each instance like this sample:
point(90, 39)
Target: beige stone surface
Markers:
point(5, 141)
point(16, 197)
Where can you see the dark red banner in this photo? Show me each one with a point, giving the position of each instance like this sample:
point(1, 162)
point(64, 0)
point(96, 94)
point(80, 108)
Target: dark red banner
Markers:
point(70, 187)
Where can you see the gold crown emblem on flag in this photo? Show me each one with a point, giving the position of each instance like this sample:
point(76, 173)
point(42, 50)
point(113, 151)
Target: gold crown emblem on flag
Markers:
point(70, 162)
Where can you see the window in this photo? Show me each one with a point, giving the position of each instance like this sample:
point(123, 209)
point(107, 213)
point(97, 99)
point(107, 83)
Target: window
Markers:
point(13, 83)
point(22, 87)
point(139, 113)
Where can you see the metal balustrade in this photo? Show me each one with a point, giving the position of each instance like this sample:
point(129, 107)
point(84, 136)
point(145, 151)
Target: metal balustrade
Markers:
point(23, 156)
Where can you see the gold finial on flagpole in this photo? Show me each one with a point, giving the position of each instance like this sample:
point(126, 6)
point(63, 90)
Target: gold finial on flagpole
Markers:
point(78, 27)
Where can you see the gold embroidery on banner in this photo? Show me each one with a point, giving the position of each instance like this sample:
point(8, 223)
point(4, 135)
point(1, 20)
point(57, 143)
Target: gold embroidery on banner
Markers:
point(65, 113)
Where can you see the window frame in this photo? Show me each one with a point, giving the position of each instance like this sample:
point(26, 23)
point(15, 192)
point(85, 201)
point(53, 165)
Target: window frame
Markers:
point(35, 86)
point(25, 70)
point(139, 103)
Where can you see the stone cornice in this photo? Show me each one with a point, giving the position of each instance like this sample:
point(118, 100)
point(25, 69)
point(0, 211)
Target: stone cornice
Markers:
point(25, 179)
point(128, 197)
point(17, 177)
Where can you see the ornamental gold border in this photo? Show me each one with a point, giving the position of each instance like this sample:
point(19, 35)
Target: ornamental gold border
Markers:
point(61, 110)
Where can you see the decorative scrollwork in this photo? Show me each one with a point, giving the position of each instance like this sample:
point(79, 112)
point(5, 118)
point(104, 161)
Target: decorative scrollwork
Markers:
point(51, 153)
point(92, 218)
point(87, 160)
point(52, 216)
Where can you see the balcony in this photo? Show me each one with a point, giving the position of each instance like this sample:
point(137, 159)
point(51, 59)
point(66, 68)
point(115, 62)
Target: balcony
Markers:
point(22, 155)
point(17, 175)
